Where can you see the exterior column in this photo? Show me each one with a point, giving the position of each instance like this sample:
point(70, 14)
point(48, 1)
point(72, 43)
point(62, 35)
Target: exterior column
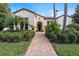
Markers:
point(24, 27)
point(14, 26)
point(18, 26)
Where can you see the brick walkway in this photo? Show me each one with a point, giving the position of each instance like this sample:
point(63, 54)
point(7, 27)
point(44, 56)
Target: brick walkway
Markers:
point(40, 46)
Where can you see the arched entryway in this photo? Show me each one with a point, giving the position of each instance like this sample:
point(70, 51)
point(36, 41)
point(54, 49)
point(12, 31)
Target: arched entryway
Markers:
point(39, 26)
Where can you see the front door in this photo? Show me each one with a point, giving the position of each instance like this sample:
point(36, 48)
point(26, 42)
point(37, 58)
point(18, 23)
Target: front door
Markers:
point(39, 26)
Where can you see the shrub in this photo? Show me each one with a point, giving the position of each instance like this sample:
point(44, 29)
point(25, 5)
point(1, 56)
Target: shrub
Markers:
point(48, 29)
point(51, 30)
point(48, 35)
point(61, 37)
point(54, 26)
point(70, 29)
point(74, 25)
point(77, 34)
point(28, 35)
point(2, 36)
point(16, 36)
point(11, 37)
point(53, 37)
point(72, 38)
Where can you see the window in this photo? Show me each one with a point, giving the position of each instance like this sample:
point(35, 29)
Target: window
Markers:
point(51, 21)
point(26, 24)
point(47, 22)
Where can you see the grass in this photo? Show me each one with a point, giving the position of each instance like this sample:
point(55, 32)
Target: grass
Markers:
point(13, 49)
point(67, 49)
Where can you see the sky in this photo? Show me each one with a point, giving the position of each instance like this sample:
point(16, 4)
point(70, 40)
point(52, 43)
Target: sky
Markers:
point(45, 9)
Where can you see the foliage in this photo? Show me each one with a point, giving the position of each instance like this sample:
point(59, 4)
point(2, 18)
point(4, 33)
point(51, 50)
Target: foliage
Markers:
point(48, 35)
point(73, 27)
point(4, 12)
point(77, 34)
point(70, 29)
point(66, 37)
point(16, 36)
point(8, 21)
point(61, 38)
point(68, 34)
point(53, 37)
point(72, 38)
point(54, 26)
point(76, 15)
point(1, 23)
point(51, 29)
point(11, 20)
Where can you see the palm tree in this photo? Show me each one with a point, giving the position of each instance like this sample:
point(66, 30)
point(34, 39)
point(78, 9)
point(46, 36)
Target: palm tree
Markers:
point(65, 17)
point(54, 11)
point(19, 20)
point(24, 21)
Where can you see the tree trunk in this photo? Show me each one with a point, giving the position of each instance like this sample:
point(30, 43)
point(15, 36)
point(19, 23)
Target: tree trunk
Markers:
point(24, 27)
point(14, 26)
point(54, 11)
point(65, 17)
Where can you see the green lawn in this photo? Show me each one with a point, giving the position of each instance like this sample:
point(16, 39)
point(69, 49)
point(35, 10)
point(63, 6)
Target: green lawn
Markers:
point(67, 49)
point(13, 49)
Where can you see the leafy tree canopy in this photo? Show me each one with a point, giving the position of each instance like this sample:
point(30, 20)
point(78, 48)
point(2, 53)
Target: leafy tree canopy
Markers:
point(76, 15)
point(4, 13)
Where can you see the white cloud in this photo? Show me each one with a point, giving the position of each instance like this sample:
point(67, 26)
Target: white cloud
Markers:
point(60, 13)
point(51, 12)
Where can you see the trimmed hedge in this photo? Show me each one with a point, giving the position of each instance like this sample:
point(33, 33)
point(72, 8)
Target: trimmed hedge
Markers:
point(68, 37)
point(72, 38)
point(52, 37)
point(16, 36)
point(77, 34)
point(61, 38)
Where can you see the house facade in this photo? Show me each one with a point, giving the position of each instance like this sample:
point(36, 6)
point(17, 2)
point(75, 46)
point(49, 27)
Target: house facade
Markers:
point(39, 22)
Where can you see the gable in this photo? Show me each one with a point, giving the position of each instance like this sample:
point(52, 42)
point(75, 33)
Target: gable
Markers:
point(24, 13)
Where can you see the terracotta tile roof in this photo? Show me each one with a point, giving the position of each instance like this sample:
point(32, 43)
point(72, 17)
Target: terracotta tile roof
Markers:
point(48, 18)
point(62, 15)
point(27, 10)
point(38, 14)
point(23, 9)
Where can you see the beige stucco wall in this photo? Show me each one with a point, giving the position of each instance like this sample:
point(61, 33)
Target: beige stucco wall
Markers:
point(48, 20)
point(28, 15)
point(60, 21)
point(33, 19)
point(39, 18)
